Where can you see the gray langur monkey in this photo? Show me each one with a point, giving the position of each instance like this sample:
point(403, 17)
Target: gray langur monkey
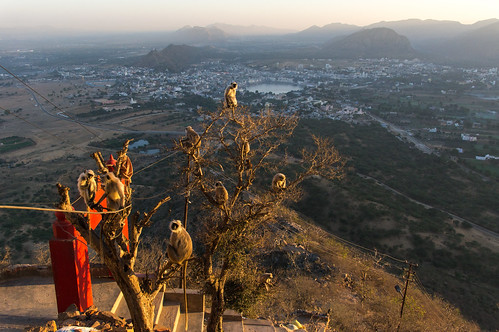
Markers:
point(279, 182)
point(179, 251)
point(245, 146)
point(87, 186)
point(230, 95)
point(193, 139)
point(221, 194)
point(180, 246)
point(115, 192)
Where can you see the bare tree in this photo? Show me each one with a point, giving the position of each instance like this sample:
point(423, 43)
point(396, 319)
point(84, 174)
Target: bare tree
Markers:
point(239, 150)
point(120, 254)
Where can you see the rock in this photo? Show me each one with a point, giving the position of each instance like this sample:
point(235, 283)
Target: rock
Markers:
point(51, 326)
point(108, 316)
point(67, 315)
point(159, 328)
point(72, 308)
point(70, 322)
point(37, 329)
point(91, 310)
point(96, 324)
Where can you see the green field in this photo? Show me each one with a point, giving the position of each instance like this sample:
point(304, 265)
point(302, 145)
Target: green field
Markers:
point(13, 143)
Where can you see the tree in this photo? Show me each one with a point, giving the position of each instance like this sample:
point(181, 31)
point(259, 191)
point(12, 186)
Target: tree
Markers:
point(241, 149)
point(118, 253)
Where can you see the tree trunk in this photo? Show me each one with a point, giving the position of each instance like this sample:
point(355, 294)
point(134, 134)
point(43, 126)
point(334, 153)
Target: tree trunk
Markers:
point(217, 307)
point(141, 310)
point(140, 304)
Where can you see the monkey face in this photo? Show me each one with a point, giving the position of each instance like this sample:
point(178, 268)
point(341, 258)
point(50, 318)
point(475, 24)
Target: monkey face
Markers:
point(175, 225)
point(218, 184)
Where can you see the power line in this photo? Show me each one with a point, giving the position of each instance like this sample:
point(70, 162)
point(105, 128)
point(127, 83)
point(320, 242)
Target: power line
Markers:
point(48, 101)
point(38, 127)
point(58, 210)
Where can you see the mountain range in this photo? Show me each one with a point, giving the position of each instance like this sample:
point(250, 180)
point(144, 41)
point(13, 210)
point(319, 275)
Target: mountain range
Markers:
point(436, 40)
point(444, 41)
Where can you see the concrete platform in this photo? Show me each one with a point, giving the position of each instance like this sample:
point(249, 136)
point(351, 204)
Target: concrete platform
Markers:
point(29, 301)
point(258, 325)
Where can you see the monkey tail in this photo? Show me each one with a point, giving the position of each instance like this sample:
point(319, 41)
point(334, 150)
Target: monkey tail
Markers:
point(184, 286)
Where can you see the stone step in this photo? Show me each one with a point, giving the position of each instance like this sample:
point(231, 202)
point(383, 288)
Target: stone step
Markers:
point(233, 326)
point(195, 299)
point(196, 322)
point(169, 316)
point(258, 325)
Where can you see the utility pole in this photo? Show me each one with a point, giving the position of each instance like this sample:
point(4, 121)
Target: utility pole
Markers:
point(408, 278)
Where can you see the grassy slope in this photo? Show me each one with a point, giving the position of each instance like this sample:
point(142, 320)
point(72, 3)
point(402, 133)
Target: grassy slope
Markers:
point(451, 265)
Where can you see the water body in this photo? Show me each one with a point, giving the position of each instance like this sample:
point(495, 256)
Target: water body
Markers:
point(275, 88)
point(138, 144)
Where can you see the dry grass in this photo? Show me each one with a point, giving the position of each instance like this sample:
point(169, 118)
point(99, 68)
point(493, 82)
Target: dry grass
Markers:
point(359, 293)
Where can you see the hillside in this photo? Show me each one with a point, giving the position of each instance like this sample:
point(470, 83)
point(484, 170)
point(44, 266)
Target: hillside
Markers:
point(175, 58)
point(476, 46)
point(455, 260)
point(370, 43)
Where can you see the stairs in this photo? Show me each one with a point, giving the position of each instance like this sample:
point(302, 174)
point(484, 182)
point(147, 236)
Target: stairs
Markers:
point(169, 309)
point(169, 313)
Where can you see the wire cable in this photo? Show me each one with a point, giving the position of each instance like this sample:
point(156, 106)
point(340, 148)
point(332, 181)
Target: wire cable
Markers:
point(38, 127)
point(48, 101)
point(58, 210)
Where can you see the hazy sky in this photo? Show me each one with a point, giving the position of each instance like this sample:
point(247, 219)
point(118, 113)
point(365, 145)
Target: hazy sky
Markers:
point(133, 15)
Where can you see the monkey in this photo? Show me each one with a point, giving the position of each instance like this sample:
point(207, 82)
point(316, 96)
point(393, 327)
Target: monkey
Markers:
point(180, 246)
point(193, 139)
point(179, 250)
point(87, 187)
point(230, 95)
point(115, 192)
point(221, 194)
point(279, 182)
point(245, 146)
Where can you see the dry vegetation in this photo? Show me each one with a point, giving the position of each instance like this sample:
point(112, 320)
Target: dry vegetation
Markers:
point(359, 292)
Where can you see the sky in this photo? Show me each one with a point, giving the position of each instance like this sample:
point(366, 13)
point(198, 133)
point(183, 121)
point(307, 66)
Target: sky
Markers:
point(160, 15)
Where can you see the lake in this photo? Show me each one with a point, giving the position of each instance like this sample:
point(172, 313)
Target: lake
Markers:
point(275, 88)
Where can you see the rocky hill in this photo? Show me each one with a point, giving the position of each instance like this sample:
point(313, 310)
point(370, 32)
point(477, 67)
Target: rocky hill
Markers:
point(370, 43)
point(177, 57)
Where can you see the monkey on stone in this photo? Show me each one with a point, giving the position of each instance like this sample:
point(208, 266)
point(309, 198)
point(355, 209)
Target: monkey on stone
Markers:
point(230, 95)
point(279, 182)
point(221, 194)
point(87, 186)
point(114, 192)
point(180, 247)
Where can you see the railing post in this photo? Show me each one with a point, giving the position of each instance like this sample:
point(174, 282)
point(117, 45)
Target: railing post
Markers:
point(70, 266)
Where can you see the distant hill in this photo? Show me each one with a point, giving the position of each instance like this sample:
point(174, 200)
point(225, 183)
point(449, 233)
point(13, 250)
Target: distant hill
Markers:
point(423, 30)
point(177, 57)
point(479, 46)
point(199, 35)
point(325, 33)
point(251, 30)
point(370, 43)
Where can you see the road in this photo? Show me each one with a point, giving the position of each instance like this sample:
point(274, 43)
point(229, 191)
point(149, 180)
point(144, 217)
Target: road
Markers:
point(421, 146)
point(482, 229)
